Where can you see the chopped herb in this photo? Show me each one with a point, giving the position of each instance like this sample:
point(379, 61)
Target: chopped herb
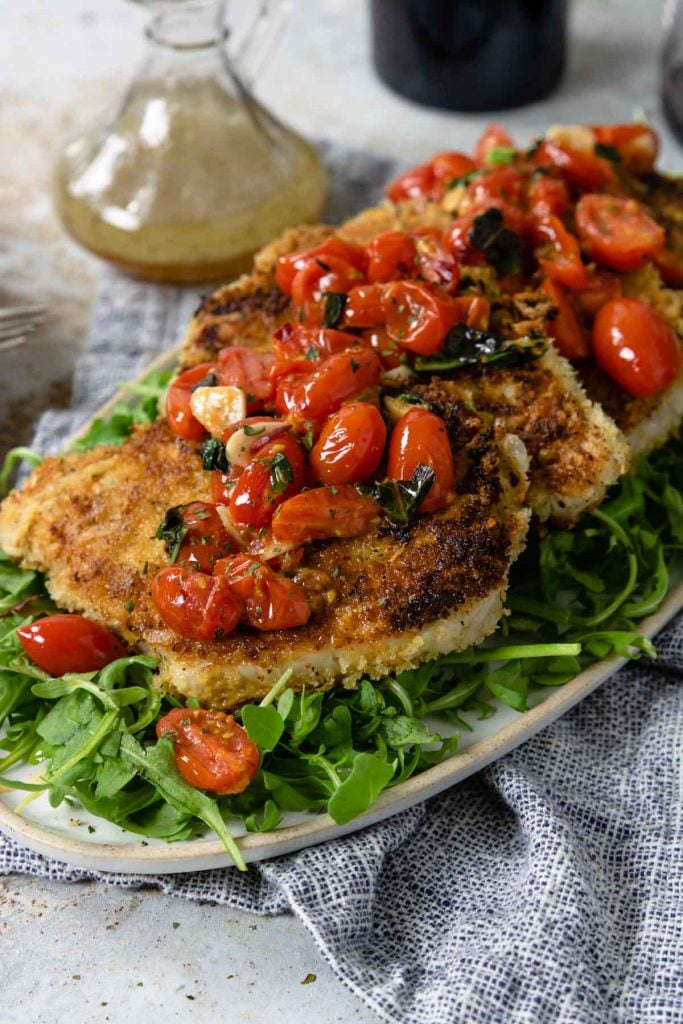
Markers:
point(355, 365)
point(607, 152)
point(334, 572)
point(499, 156)
point(213, 455)
point(281, 473)
point(172, 530)
point(129, 605)
point(312, 353)
point(464, 179)
point(501, 247)
point(218, 633)
point(145, 568)
point(468, 346)
point(400, 499)
point(334, 304)
point(209, 381)
point(252, 431)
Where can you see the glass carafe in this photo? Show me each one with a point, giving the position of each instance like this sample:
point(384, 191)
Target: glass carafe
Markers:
point(192, 175)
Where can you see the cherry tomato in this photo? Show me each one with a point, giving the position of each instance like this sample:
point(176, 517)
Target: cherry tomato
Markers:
point(558, 253)
point(602, 286)
point(292, 341)
point(275, 473)
point(548, 195)
point(320, 275)
point(205, 538)
point(288, 266)
point(582, 170)
point(457, 238)
point(178, 411)
point(570, 338)
point(670, 267)
point(636, 144)
point(248, 369)
point(211, 750)
point(364, 306)
point(618, 233)
point(389, 351)
point(416, 317)
point(323, 513)
point(391, 254)
point(351, 444)
point(434, 262)
point(420, 437)
point(223, 483)
point(416, 183)
point(504, 188)
point(270, 601)
point(636, 346)
point(448, 167)
point(336, 380)
point(69, 643)
point(194, 605)
point(493, 137)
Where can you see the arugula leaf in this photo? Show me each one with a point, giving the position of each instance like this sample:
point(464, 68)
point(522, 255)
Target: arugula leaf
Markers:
point(468, 346)
point(401, 499)
point(501, 247)
point(369, 776)
point(264, 725)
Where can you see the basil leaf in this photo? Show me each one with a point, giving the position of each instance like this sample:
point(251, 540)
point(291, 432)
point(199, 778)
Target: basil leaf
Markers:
point(281, 473)
point(209, 381)
point(400, 499)
point(607, 152)
point(172, 530)
point(334, 304)
point(213, 455)
point(469, 346)
point(499, 156)
point(501, 247)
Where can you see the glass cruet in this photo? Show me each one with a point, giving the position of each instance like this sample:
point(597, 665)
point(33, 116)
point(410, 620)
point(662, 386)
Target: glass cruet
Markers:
point(192, 175)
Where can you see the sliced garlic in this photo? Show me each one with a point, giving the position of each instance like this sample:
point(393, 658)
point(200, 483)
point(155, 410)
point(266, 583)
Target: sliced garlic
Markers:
point(576, 136)
point(399, 375)
point(216, 408)
point(239, 445)
point(396, 407)
point(230, 528)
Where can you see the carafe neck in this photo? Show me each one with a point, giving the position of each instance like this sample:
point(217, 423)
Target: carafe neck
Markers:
point(190, 25)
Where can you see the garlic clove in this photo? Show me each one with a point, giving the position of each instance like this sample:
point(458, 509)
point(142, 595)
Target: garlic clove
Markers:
point(216, 408)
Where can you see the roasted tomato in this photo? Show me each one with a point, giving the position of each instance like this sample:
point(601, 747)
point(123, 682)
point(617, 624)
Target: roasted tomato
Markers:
point(248, 369)
point(270, 601)
point(558, 253)
point(178, 411)
point(288, 266)
point(350, 446)
point(364, 306)
point(448, 167)
point(391, 255)
point(417, 183)
point(223, 483)
point(194, 605)
point(584, 171)
point(618, 233)
point(602, 286)
point(335, 381)
point(211, 750)
point(548, 195)
point(636, 346)
point(323, 513)
point(276, 472)
point(494, 137)
point(69, 643)
point(434, 262)
point(319, 276)
point(417, 317)
point(420, 438)
point(570, 338)
point(205, 539)
point(670, 267)
point(636, 144)
point(296, 341)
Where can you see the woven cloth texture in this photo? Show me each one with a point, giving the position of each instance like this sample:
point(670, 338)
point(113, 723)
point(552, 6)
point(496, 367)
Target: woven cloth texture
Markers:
point(546, 890)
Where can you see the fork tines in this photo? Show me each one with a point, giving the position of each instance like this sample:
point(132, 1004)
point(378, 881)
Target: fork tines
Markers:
point(18, 321)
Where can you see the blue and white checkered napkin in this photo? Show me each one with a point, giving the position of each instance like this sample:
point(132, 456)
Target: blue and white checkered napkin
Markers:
point(546, 890)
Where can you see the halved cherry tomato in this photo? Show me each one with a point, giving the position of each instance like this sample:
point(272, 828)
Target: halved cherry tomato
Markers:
point(457, 238)
point(420, 437)
point(548, 195)
point(350, 446)
point(417, 317)
point(335, 381)
point(584, 171)
point(292, 341)
point(391, 255)
point(178, 411)
point(636, 144)
point(205, 539)
point(493, 137)
point(270, 601)
point(636, 346)
point(571, 339)
point(288, 266)
point(602, 286)
point(223, 483)
point(448, 167)
point(364, 306)
point(322, 274)
point(504, 188)
point(416, 183)
point(389, 351)
point(558, 253)
point(618, 233)
point(323, 513)
point(670, 267)
point(434, 262)
point(69, 643)
point(276, 472)
point(248, 369)
point(194, 605)
point(211, 750)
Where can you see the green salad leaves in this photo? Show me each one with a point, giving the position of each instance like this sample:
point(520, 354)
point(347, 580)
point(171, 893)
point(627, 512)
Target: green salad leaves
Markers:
point(575, 597)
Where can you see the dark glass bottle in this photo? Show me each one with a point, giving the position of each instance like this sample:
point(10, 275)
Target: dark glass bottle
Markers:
point(470, 55)
point(672, 68)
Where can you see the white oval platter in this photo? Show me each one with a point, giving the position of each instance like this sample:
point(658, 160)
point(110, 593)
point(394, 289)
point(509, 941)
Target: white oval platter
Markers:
point(69, 834)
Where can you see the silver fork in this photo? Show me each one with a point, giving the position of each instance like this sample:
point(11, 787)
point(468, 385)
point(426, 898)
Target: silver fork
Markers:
point(16, 322)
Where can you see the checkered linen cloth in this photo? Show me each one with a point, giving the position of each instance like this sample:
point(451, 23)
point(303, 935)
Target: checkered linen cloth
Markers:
point(546, 890)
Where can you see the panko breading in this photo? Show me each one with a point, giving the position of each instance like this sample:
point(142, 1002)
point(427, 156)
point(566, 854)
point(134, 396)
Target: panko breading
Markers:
point(382, 603)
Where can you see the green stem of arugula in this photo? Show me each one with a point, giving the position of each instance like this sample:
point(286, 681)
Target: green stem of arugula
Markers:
point(639, 609)
point(93, 743)
point(512, 651)
point(617, 531)
point(401, 695)
point(328, 769)
point(277, 689)
point(540, 610)
point(15, 455)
